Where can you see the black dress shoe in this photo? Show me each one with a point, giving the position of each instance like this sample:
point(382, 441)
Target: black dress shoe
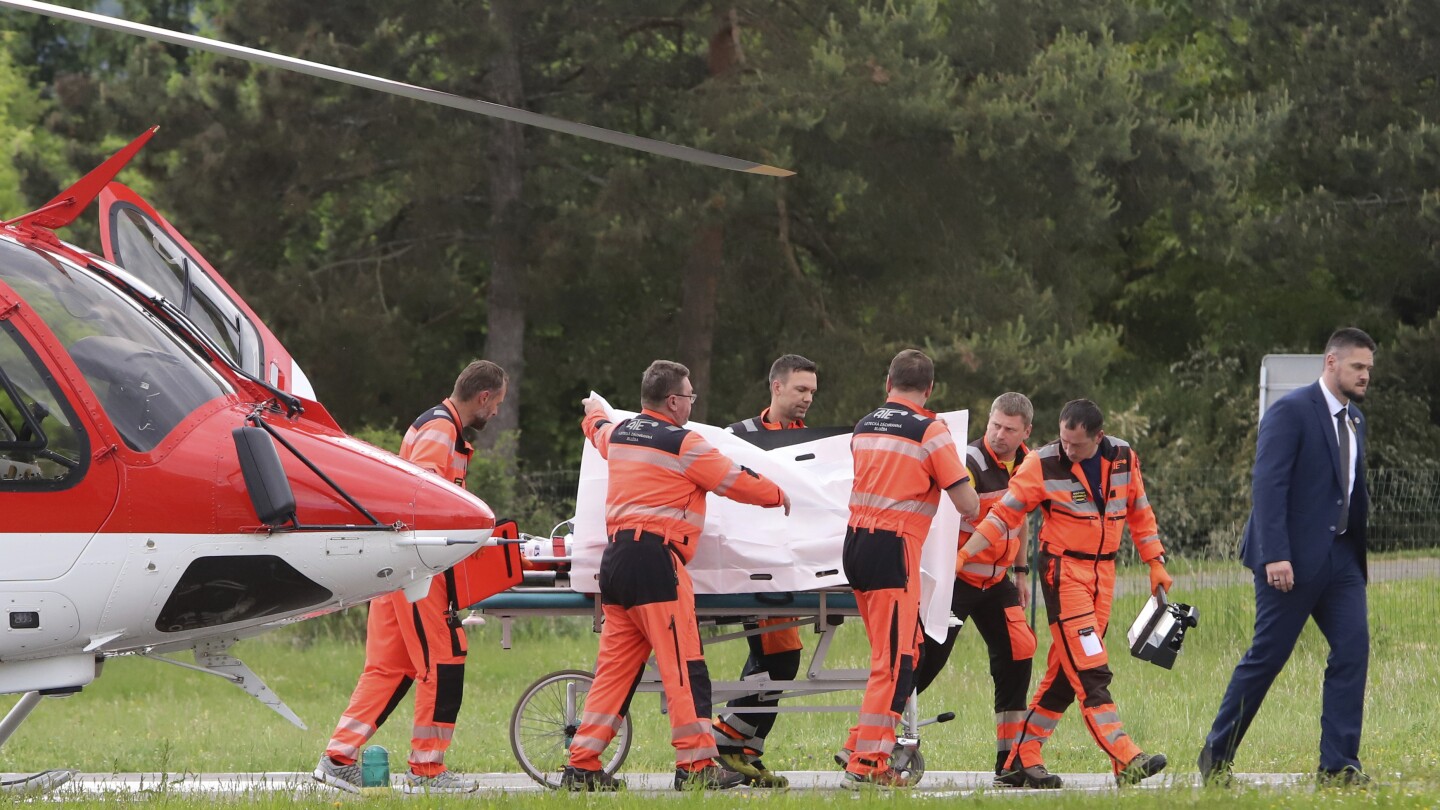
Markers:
point(1347, 777)
point(1214, 772)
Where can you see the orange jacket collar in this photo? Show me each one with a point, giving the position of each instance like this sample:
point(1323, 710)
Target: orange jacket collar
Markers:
point(1020, 452)
point(657, 415)
point(911, 404)
point(768, 425)
point(459, 426)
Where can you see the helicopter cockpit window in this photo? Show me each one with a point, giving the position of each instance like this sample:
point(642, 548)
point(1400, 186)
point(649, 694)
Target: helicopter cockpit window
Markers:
point(146, 379)
point(144, 249)
point(40, 448)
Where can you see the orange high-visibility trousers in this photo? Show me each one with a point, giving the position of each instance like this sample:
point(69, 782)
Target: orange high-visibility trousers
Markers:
point(1078, 596)
point(884, 570)
point(649, 605)
point(404, 644)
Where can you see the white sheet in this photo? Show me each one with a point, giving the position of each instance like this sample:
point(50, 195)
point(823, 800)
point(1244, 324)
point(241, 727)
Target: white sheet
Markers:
point(746, 549)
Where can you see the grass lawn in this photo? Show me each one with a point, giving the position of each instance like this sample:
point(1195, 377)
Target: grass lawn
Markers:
point(145, 716)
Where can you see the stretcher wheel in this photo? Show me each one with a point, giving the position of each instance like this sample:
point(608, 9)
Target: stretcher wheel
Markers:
point(545, 721)
point(909, 763)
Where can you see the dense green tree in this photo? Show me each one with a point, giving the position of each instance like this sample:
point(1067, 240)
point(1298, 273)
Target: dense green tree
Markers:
point(1130, 200)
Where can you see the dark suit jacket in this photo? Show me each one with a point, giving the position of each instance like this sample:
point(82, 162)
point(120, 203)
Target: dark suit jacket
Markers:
point(1297, 486)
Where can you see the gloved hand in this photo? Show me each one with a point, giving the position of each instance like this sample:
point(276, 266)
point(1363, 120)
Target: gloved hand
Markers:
point(1159, 577)
point(961, 557)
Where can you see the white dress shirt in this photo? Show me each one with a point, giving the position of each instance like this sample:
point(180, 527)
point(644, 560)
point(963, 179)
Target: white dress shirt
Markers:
point(1334, 406)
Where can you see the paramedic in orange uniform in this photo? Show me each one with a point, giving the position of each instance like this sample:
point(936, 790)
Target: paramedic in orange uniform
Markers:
point(654, 514)
point(984, 594)
point(904, 457)
point(775, 654)
point(1090, 489)
point(422, 642)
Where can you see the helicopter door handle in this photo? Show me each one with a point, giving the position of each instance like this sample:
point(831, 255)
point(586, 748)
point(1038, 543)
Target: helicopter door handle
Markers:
point(436, 541)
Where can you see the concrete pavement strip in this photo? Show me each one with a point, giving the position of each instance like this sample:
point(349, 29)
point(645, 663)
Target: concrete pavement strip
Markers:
point(938, 784)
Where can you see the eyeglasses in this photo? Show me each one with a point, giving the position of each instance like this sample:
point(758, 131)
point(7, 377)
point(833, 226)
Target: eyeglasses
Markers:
point(691, 397)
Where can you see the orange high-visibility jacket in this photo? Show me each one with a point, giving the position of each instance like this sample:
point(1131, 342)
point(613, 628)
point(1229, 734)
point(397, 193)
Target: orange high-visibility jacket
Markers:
point(436, 443)
point(903, 457)
point(659, 474)
point(755, 424)
point(991, 480)
point(1078, 520)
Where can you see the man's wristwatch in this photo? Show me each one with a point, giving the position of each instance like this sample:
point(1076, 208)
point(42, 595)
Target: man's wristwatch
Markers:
point(1020, 569)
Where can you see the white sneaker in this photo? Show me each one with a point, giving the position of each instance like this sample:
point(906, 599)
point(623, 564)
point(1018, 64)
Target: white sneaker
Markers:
point(443, 782)
point(332, 773)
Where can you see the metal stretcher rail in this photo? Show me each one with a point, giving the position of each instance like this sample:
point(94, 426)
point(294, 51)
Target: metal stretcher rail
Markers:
point(547, 715)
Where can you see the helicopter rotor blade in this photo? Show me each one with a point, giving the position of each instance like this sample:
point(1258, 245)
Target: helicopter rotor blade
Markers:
point(392, 87)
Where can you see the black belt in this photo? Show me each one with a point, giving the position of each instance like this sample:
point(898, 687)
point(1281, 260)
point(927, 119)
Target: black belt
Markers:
point(1080, 555)
point(636, 535)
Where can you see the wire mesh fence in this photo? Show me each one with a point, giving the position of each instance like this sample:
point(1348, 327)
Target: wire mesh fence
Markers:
point(1201, 513)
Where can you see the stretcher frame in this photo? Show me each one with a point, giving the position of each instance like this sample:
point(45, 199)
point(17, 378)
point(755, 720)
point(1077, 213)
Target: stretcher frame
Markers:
point(544, 595)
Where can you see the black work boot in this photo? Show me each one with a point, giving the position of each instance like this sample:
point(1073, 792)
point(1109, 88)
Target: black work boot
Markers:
point(887, 779)
point(1029, 776)
point(1143, 766)
point(756, 774)
point(583, 781)
point(710, 777)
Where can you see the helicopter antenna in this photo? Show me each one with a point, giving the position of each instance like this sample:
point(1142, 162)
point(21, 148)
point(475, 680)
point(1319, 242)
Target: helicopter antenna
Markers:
point(392, 87)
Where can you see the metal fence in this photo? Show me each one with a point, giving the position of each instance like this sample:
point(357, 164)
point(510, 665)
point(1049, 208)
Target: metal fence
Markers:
point(1201, 512)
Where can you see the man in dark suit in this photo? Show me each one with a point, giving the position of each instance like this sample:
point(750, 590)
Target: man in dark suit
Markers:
point(1305, 541)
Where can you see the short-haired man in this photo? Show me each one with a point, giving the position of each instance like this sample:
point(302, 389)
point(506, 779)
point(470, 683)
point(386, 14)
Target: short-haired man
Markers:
point(793, 385)
point(774, 654)
point(654, 515)
point(1090, 489)
point(904, 458)
point(422, 643)
point(984, 594)
point(1305, 543)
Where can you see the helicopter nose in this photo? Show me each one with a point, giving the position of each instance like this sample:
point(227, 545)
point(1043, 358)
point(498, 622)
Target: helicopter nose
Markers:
point(452, 523)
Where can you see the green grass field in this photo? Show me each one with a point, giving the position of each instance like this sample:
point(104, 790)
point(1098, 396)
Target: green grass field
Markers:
point(145, 716)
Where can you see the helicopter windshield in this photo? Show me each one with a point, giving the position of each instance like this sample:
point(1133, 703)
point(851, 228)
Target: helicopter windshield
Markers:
point(146, 379)
point(144, 249)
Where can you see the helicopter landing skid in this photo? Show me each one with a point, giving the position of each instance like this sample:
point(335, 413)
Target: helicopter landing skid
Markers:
point(42, 782)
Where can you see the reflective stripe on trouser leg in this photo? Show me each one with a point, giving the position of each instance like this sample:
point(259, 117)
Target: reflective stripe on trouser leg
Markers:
point(732, 732)
point(891, 616)
point(782, 665)
point(388, 674)
point(350, 734)
point(439, 694)
point(1054, 694)
point(1007, 728)
point(1036, 727)
point(998, 617)
point(623, 650)
point(672, 630)
point(1084, 593)
point(437, 703)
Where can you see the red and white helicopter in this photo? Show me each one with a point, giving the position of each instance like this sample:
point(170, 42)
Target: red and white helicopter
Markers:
point(167, 480)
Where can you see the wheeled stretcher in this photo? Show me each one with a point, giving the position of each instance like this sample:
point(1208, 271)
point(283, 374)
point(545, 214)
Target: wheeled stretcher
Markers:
point(548, 712)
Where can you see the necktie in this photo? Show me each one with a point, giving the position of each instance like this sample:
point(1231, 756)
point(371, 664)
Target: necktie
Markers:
point(1343, 434)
